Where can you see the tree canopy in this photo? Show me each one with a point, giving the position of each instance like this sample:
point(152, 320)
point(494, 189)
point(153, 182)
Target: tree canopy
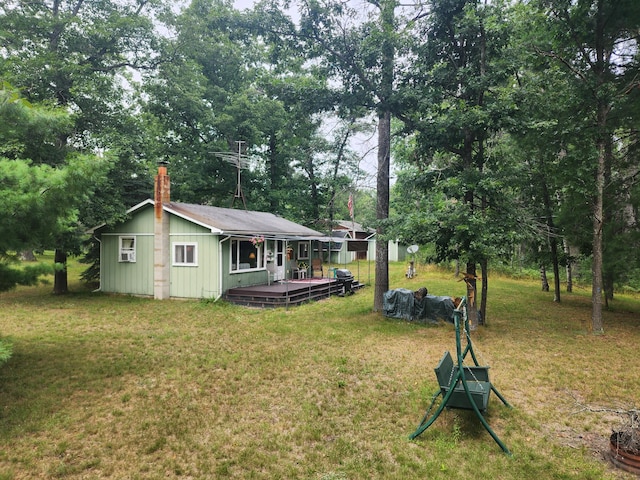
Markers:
point(40, 202)
point(512, 126)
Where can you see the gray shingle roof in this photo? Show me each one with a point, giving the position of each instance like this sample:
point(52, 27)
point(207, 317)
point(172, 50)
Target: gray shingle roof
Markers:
point(240, 222)
point(348, 225)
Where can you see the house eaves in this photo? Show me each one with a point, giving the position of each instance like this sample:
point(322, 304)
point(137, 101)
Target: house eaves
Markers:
point(148, 201)
point(229, 221)
point(351, 226)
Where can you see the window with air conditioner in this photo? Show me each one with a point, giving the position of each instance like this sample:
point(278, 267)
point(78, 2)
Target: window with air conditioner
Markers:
point(127, 249)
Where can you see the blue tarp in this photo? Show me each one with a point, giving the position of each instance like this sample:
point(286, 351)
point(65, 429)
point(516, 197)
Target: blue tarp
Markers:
point(402, 303)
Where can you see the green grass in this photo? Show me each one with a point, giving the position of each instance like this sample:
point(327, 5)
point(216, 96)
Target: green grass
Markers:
point(106, 386)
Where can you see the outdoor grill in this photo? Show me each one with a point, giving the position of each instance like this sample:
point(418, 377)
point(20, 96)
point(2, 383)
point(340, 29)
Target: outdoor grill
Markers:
point(345, 280)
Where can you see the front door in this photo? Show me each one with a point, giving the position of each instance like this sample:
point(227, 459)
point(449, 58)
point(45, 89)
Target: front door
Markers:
point(280, 260)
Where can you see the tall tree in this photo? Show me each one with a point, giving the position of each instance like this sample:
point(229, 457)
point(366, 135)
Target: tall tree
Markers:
point(74, 53)
point(323, 160)
point(358, 48)
point(538, 142)
point(455, 103)
point(38, 203)
point(227, 79)
point(596, 41)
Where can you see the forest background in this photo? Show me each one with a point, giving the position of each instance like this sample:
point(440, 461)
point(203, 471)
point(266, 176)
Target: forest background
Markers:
point(513, 126)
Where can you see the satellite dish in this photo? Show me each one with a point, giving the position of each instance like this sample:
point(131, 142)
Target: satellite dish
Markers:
point(412, 248)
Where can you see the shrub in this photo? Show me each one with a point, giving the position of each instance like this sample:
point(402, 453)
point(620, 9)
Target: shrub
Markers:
point(5, 350)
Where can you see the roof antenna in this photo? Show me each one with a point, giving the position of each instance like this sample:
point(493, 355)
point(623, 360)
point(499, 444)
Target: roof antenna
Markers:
point(240, 161)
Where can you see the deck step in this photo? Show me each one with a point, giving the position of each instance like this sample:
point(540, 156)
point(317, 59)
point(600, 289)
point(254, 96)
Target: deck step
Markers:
point(282, 295)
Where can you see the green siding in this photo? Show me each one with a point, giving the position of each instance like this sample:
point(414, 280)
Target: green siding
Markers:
point(141, 222)
point(244, 279)
point(343, 256)
point(135, 278)
point(203, 280)
point(210, 278)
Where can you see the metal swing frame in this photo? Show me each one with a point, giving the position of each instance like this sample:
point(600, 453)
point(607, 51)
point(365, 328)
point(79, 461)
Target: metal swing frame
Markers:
point(465, 387)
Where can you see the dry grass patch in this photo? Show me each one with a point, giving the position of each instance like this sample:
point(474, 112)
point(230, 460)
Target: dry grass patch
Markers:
point(119, 387)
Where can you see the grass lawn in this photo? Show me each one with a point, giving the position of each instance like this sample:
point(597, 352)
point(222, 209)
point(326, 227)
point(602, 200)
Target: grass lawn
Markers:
point(120, 387)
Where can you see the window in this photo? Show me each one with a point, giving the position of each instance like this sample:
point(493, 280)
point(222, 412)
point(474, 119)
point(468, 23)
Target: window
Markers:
point(185, 254)
point(303, 250)
point(127, 249)
point(245, 255)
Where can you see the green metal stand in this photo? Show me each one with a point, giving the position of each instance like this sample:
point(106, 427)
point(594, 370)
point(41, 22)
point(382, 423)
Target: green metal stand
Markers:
point(459, 376)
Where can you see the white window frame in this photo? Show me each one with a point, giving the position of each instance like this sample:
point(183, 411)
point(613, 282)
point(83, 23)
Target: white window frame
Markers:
point(127, 252)
point(238, 247)
point(303, 250)
point(184, 246)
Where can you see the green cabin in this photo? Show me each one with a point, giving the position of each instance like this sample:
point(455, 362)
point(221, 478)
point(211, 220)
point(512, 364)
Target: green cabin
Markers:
point(177, 250)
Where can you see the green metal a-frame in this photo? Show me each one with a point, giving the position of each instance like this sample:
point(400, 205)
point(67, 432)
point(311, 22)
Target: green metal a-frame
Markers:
point(466, 387)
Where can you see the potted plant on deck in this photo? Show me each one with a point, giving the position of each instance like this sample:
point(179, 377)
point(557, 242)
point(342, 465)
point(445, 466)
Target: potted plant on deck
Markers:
point(303, 267)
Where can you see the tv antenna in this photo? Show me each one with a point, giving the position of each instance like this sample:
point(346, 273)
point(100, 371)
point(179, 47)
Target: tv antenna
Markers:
point(240, 161)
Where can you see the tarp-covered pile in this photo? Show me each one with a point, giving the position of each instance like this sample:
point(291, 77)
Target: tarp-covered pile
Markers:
point(403, 303)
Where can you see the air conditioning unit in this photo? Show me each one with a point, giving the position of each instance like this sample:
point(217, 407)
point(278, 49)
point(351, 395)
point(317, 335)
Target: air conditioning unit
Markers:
point(127, 256)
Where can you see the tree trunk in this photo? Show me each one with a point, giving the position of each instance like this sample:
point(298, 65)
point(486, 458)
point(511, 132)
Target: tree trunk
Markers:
point(484, 272)
point(607, 280)
point(60, 281)
point(556, 270)
point(553, 243)
point(315, 204)
point(598, 221)
point(274, 178)
point(28, 256)
point(569, 267)
point(598, 204)
point(387, 18)
point(382, 210)
point(543, 279)
point(334, 177)
point(472, 308)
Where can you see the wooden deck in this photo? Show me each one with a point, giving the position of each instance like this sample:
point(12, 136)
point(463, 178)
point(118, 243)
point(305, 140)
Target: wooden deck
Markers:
point(284, 293)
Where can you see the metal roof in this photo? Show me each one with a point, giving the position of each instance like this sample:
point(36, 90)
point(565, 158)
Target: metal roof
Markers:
point(349, 225)
point(232, 221)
